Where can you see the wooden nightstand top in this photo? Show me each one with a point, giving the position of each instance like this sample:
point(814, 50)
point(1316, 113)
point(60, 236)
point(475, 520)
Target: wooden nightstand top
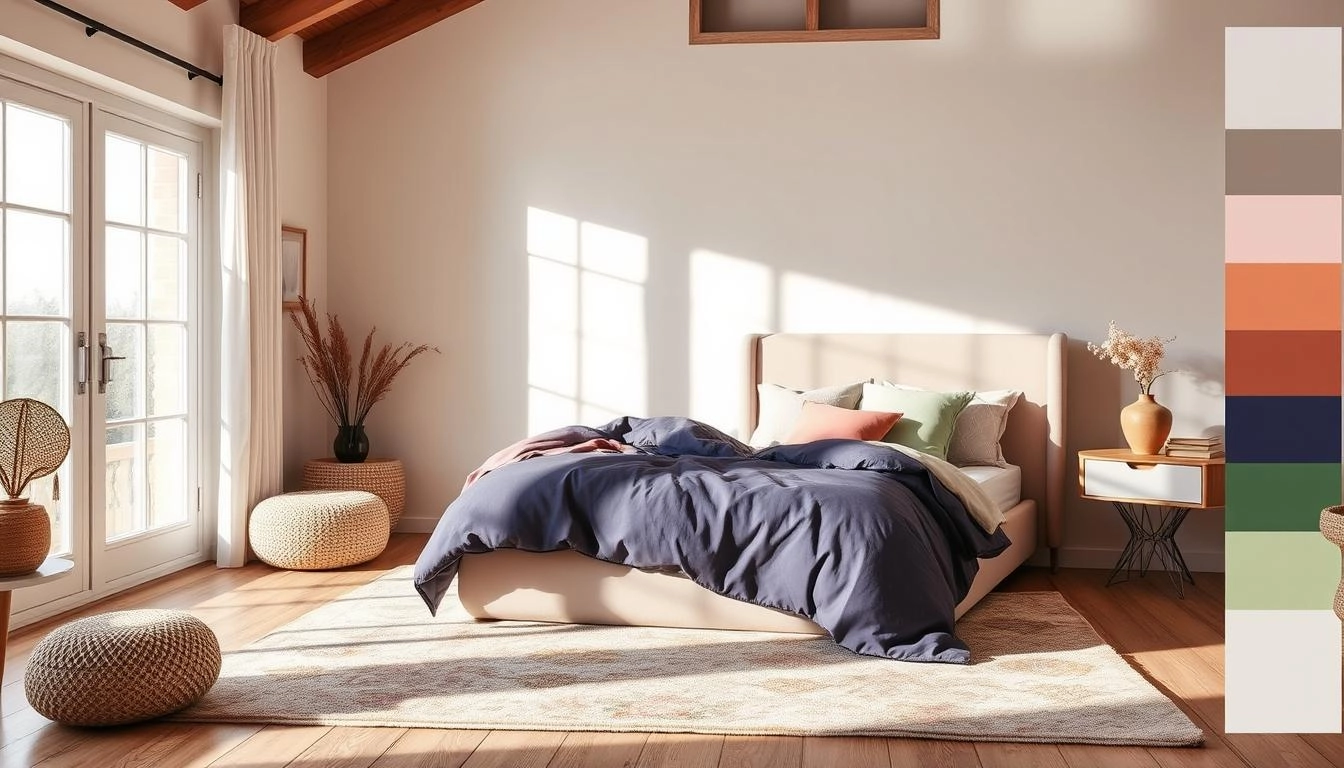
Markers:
point(1129, 457)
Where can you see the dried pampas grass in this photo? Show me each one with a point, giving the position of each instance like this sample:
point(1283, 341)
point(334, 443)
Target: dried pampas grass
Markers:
point(330, 367)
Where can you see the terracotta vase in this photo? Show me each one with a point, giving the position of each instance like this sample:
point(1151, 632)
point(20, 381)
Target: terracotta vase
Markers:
point(1146, 424)
point(1332, 528)
point(26, 531)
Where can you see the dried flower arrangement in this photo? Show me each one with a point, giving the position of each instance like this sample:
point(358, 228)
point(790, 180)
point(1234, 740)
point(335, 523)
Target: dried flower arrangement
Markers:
point(1129, 351)
point(328, 364)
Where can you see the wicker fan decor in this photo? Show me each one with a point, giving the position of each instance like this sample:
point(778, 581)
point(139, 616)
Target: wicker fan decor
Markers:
point(34, 440)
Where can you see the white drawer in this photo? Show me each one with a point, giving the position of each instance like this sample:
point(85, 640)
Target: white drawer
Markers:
point(1159, 482)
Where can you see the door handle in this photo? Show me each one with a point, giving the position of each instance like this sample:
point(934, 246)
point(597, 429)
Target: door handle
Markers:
point(82, 363)
point(105, 356)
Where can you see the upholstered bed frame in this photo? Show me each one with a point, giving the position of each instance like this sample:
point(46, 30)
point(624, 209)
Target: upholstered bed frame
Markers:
point(568, 587)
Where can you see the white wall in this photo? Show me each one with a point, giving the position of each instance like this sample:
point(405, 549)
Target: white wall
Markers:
point(49, 39)
point(301, 114)
point(1046, 166)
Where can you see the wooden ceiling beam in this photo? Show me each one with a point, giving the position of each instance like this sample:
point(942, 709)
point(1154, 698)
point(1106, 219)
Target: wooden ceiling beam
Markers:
point(274, 19)
point(186, 5)
point(331, 50)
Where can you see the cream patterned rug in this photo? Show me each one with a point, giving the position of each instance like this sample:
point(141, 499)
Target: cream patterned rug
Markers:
point(376, 657)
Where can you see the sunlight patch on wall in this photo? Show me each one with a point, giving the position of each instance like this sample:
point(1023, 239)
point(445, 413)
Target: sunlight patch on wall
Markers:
point(731, 298)
point(1096, 27)
point(587, 354)
point(810, 304)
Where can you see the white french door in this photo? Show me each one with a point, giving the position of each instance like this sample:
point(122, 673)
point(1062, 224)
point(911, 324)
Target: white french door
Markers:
point(44, 253)
point(145, 507)
point(99, 274)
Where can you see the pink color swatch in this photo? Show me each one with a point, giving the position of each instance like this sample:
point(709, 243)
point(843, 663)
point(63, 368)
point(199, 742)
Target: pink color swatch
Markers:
point(1283, 228)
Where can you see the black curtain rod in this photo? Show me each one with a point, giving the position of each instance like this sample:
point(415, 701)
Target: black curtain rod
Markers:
point(93, 27)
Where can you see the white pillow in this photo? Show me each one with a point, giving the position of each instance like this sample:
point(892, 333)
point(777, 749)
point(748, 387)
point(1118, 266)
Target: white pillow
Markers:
point(979, 428)
point(780, 408)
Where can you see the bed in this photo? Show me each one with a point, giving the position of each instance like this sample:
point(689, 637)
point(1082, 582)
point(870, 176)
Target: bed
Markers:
point(572, 588)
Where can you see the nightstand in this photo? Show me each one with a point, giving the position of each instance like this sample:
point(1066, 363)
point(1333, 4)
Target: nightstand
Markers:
point(1153, 494)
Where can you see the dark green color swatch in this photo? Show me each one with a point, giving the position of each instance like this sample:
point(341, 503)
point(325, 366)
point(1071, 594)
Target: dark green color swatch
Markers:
point(1279, 497)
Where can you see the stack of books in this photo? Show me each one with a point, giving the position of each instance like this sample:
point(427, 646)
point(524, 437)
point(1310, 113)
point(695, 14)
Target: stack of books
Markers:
point(1195, 447)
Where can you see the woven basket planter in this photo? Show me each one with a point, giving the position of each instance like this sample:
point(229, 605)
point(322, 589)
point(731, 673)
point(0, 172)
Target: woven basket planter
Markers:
point(385, 478)
point(319, 530)
point(25, 530)
point(1332, 527)
point(122, 667)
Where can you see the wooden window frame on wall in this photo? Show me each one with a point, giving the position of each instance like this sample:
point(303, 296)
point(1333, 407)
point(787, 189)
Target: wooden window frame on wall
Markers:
point(812, 33)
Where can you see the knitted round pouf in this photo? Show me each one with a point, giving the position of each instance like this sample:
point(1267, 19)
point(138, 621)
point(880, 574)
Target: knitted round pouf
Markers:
point(317, 530)
point(122, 667)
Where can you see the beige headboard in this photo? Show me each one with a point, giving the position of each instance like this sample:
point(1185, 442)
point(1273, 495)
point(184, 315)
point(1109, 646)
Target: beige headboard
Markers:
point(1034, 364)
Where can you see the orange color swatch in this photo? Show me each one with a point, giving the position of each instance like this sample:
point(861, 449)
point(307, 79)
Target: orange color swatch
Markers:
point(1283, 297)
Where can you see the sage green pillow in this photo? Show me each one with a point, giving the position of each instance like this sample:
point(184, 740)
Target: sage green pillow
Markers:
point(927, 418)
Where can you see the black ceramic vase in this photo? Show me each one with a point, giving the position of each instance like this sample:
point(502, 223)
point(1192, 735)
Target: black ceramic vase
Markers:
point(351, 445)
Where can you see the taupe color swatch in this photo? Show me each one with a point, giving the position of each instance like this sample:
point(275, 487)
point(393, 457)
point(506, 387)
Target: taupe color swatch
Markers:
point(1283, 162)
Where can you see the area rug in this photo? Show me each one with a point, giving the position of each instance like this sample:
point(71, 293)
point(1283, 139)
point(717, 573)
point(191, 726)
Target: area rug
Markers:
point(377, 658)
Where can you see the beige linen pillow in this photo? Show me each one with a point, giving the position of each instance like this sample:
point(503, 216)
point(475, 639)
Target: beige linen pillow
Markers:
point(979, 430)
point(781, 407)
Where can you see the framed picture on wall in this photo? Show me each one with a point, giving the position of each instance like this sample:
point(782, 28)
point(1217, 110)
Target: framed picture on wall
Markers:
point(294, 265)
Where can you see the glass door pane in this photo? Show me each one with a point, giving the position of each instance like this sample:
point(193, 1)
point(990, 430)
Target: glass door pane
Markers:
point(146, 237)
point(36, 245)
point(43, 294)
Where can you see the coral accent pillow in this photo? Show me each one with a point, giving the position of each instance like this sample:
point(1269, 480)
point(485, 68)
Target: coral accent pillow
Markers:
point(822, 422)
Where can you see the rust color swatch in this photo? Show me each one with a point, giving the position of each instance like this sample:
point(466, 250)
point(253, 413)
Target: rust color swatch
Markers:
point(1283, 297)
point(1283, 362)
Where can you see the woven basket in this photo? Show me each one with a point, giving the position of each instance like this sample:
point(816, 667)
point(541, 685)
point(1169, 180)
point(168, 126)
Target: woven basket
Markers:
point(318, 530)
point(122, 667)
point(25, 530)
point(385, 478)
point(1332, 527)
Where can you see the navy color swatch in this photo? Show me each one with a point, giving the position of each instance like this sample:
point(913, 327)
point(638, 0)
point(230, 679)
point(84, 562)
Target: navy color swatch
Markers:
point(1283, 429)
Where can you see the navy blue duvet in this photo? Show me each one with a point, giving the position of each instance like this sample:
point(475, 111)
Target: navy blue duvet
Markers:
point(860, 538)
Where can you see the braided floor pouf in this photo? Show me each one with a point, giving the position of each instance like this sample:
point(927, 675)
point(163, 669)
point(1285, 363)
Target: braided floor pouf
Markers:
point(122, 667)
point(317, 530)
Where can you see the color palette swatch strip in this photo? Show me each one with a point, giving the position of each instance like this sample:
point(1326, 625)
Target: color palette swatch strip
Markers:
point(1283, 271)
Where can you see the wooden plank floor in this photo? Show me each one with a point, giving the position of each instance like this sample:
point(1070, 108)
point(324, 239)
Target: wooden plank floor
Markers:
point(1176, 644)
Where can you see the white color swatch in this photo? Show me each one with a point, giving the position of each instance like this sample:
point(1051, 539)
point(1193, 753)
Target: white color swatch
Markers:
point(1282, 672)
point(1283, 77)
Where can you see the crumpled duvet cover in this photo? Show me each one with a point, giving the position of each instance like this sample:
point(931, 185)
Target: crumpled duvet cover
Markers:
point(860, 538)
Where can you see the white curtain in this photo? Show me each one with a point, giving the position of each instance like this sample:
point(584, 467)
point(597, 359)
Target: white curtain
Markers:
point(251, 423)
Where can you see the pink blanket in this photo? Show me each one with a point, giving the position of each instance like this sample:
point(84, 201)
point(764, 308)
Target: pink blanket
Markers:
point(563, 440)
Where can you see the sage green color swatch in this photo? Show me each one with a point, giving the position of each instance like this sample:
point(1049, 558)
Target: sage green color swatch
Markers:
point(1279, 497)
point(1281, 570)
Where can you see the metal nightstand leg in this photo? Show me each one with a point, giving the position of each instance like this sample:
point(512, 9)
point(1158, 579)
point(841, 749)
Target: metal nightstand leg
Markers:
point(1152, 531)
